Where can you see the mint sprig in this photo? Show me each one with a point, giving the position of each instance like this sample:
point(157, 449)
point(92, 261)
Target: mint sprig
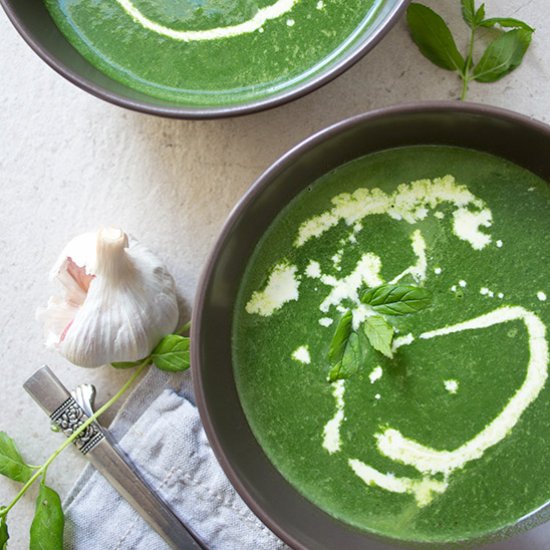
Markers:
point(346, 351)
point(436, 42)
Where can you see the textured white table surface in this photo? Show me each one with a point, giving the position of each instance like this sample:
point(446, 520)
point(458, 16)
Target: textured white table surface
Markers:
point(70, 163)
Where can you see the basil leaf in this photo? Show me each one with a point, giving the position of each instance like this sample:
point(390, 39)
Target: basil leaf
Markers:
point(480, 15)
point(4, 535)
point(502, 56)
point(351, 359)
point(469, 12)
point(12, 464)
point(397, 299)
point(340, 339)
point(172, 354)
point(380, 334)
point(48, 523)
point(127, 364)
point(434, 39)
point(506, 22)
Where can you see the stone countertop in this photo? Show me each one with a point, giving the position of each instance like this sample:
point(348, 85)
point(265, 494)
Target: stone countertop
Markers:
point(70, 163)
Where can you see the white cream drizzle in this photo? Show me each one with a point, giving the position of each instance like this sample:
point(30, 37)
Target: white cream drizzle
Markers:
point(396, 446)
point(276, 10)
point(410, 202)
point(282, 287)
point(301, 354)
point(366, 272)
point(331, 431)
point(467, 224)
point(422, 488)
point(451, 385)
point(418, 270)
point(376, 374)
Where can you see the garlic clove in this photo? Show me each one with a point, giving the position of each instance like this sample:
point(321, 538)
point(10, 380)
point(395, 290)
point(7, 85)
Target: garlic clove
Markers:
point(119, 300)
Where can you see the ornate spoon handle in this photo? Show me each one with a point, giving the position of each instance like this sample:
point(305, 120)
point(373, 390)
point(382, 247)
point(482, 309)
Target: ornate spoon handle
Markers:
point(109, 460)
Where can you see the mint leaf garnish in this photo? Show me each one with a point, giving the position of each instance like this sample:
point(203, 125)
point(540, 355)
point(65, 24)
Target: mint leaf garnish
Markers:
point(397, 299)
point(435, 41)
point(172, 353)
point(340, 339)
point(380, 334)
point(48, 523)
point(348, 365)
point(12, 464)
point(345, 353)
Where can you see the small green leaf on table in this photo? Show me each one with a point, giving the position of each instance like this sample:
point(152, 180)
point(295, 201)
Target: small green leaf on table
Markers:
point(380, 334)
point(172, 354)
point(433, 37)
point(48, 523)
point(12, 464)
point(4, 535)
point(397, 299)
point(503, 55)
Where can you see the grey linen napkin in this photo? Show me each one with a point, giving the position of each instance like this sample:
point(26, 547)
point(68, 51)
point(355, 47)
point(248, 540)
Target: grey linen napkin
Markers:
point(160, 429)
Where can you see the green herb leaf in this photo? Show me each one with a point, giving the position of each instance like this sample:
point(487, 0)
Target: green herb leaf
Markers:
point(480, 15)
point(502, 56)
point(12, 464)
point(340, 339)
point(469, 12)
point(128, 364)
point(380, 334)
point(4, 535)
point(506, 22)
point(397, 299)
point(351, 358)
point(434, 39)
point(48, 523)
point(172, 354)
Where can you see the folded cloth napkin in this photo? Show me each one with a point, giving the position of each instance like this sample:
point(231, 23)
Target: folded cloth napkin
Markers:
point(160, 429)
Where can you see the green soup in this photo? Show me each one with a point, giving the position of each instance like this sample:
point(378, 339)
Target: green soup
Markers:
point(213, 52)
point(447, 440)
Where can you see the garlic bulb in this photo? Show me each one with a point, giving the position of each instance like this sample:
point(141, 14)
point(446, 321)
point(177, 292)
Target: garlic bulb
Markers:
point(118, 302)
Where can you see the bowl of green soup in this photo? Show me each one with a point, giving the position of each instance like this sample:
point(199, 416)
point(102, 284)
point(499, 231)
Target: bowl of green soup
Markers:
point(370, 332)
point(201, 58)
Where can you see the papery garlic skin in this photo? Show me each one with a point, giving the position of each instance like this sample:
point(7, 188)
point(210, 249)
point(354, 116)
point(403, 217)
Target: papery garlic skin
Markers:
point(119, 300)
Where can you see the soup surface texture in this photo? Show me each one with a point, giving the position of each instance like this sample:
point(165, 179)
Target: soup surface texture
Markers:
point(213, 52)
point(446, 440)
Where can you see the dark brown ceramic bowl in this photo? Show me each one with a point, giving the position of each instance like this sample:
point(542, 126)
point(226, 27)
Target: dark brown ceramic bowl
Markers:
point(35, 25)
point(293, 518)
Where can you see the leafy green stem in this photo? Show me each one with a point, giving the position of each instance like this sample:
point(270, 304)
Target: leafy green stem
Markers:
point(436, 42)
point(41, 471)
point(466, 75)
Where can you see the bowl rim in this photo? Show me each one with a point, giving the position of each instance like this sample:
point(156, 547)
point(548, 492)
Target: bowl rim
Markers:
point(249, 196)
point(368, 43)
